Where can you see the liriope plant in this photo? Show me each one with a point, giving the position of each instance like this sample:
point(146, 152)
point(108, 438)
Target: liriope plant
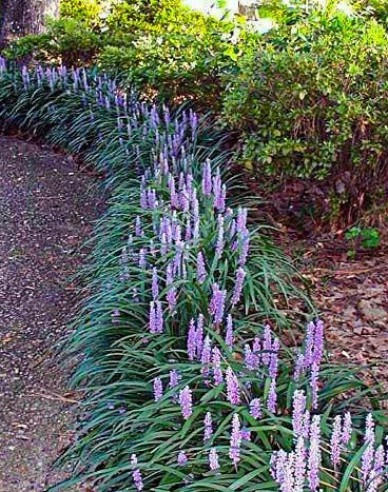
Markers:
point(186, 386)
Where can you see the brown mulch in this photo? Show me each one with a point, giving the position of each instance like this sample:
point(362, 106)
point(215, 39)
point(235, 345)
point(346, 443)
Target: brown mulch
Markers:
point(352, 295)
point(46, 210)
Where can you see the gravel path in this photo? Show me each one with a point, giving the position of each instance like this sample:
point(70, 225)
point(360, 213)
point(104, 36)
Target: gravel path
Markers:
point(46, 208)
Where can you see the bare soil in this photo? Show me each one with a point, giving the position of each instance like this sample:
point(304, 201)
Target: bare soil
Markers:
point(46, 210)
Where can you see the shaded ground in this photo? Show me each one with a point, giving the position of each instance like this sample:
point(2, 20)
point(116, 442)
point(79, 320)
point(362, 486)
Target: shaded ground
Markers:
point(353, 298)
point(46, 208)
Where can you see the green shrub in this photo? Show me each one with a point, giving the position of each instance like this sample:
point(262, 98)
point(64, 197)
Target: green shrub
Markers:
point(171, 65)
point(163, 48)
point(168, 50)
point(87, 11)
point(311, 102)
point(377, 9)
point(69, 41)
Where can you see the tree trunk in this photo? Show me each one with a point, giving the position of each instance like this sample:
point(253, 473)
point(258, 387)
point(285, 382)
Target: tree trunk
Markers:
point(21, 17)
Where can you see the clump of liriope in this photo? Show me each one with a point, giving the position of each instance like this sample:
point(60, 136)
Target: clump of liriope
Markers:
point(200, 391)
point(187, 388)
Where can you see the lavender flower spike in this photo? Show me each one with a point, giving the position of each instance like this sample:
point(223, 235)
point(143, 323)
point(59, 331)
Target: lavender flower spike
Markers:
point(335, 442)
point(232, 387)
point(217, 304)
point(175, 377)
point(182, 458)
point(314, 458)
point(136, 475)
point(192, 341)
point(207, 179)
point(208, 421)
point(217, 371)
point(299, 407)
point(155, 284)
point(235, 440)
point(158, 389)
point(300, 465)
point(255, 408)
point(213, 459)
point(201, 269)
point(159, 317)
point(206, 357)
point(186, 402)
point(347, 429)
point(229, 337)
point(238, 286)
point(220, 237)
point(368, 456)
point(272, 397)
point(152, 318)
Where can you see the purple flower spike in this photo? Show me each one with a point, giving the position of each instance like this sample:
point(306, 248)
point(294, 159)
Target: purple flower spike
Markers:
point(274, 359)
point(232, 387)
point(250, 359)
point(208, 421)
point(379, 463)
point(299, 408)
point(171, 297)
point(158, 389)
point(175, 377)
point(235, 440)
point(217, 371)
point(314, 384)
point(300, 465)
point(267, 345)
point(368, 456)
point(182, 458)
point(306, 424)
point(242, 216)
point(152, 318)
point(309, 345)
point(184, 199)
point(138, 227)
point(217, 304)
point(255, 408)
point(138, 479)
point(318, 343)
point(245, 434)
point(272, 397)
point(207, 179)
point(244, 250)
point(219, 193)
point(335, 442)
point(155, 284)
point(199, 335)
point(299, 367)
point(229, 336)
point(220, 236)
point(314, 457)
point(192, 341)
point(186, 402)
point(347, 429)
point(206, 357)
point(278, 464)
point(201, 269)
point(238, 286)
point(213, 460)
point(159, 317)
point(188, 231)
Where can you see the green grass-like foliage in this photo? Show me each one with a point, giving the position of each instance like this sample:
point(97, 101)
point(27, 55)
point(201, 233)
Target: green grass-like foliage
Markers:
point(119, 358)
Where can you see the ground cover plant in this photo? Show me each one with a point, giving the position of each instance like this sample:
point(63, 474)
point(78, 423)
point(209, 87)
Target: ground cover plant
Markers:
point(186, 383)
